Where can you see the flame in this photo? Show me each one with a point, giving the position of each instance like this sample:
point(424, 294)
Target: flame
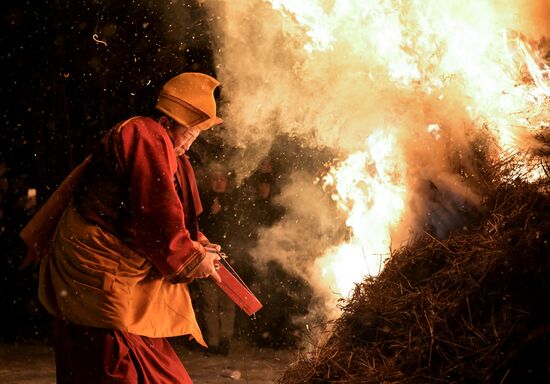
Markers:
point(401, 89)
point(436, 46)
point(538, 69)
point(443, 50)
point(370, 187)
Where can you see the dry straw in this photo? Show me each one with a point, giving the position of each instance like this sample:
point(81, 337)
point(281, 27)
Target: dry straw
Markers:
point(473, 308)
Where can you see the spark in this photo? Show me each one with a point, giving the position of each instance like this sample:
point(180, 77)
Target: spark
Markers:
point(96, 39)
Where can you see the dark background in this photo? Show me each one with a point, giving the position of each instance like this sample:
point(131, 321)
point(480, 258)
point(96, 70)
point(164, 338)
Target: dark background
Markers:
point(61, 90)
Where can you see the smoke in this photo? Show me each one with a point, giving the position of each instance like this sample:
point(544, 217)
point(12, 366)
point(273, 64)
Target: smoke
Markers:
point(427, 73)
point(318, 222)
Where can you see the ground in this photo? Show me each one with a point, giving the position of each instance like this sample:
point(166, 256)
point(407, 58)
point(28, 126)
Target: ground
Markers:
point(34, 364)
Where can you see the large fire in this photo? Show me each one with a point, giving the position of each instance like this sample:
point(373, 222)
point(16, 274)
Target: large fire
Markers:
point(370, 186)
point(400, 86)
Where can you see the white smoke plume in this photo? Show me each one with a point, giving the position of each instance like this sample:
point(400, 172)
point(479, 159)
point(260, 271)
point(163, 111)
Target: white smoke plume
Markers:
point(435, 75)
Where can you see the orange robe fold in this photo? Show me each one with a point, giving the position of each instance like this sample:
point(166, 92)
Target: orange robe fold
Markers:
point(90, 268)
point(39, 231)
point(106, 258)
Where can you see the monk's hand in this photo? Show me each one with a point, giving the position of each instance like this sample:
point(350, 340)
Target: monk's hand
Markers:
point(207, 267)
point(211, 247)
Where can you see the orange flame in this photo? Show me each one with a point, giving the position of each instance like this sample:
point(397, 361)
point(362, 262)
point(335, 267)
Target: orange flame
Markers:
point(433, 49)
point(370, 187)
point(400, 88)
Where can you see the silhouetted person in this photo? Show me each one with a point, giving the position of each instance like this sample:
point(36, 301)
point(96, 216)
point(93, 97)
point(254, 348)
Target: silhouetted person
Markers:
point(219, 221)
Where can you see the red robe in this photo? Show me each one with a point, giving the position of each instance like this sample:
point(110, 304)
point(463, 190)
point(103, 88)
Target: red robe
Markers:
point(122, 241)
point(114, 241)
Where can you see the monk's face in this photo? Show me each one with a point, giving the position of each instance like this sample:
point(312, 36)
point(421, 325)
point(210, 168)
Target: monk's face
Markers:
point(182, 136)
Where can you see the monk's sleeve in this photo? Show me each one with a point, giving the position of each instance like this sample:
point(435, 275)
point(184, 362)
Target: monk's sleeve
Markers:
point(156, 211)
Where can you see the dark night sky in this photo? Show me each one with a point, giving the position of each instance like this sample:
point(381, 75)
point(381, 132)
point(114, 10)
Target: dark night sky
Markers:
point(61, 89)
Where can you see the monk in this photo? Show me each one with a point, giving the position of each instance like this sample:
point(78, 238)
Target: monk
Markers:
point(118, 242)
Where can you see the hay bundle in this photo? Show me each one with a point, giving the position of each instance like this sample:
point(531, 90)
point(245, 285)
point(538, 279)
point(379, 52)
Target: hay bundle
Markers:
point(472, 308)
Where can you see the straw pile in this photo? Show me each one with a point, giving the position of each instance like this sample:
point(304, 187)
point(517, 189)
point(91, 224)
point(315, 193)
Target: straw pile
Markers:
point(473, 308)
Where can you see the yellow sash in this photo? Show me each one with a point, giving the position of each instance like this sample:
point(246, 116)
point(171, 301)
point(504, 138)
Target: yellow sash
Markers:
point(91, 278)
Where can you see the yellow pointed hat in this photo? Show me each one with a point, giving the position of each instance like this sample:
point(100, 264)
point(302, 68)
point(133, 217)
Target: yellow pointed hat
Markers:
point(189, 99)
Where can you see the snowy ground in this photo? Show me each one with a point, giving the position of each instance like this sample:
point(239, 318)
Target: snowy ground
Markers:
point(34, 364)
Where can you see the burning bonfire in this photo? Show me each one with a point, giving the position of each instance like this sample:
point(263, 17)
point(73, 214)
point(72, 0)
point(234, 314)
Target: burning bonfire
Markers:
point(438, 113)
point(470, 308)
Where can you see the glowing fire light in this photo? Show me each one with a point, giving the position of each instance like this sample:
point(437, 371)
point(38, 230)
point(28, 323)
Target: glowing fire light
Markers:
point(370, 187)
point(430, 48)
point(540, 72)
